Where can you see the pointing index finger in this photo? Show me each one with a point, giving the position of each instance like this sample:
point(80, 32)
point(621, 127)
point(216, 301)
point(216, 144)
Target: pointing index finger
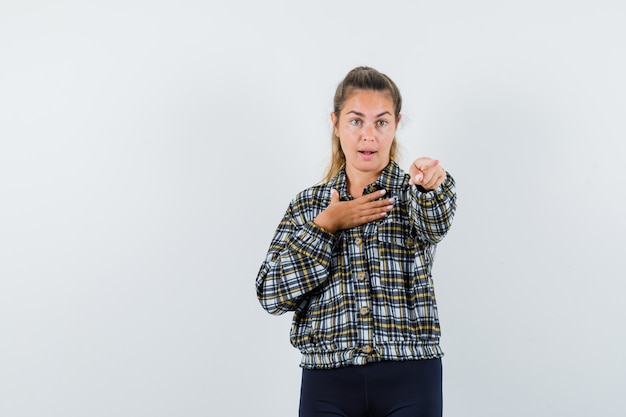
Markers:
point(428, 163)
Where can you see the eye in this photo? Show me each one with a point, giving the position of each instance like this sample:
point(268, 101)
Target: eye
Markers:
point(381, 123)
point(356, 122)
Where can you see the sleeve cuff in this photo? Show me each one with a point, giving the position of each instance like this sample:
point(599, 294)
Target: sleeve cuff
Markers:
point(313, 241)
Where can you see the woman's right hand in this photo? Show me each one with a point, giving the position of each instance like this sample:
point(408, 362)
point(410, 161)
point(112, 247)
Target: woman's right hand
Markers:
point(341, 215)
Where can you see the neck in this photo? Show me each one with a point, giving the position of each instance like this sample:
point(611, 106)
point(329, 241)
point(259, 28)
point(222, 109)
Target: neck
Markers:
point(357, 181)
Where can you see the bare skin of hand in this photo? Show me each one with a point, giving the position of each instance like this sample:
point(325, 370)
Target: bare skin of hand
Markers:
point(341, 215)
point(427, 172)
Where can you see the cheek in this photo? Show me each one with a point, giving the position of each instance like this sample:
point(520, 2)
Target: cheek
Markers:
point(389, 144)
point(345, 134)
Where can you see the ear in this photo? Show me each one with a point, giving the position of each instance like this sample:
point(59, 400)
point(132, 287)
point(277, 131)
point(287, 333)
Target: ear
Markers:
point(333, 120)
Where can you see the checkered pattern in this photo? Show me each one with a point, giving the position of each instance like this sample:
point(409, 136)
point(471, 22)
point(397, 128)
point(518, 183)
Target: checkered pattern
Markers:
point(364, 294)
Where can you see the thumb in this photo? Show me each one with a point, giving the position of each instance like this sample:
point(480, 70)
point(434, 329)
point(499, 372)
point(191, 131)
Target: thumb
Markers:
point(334, 196)
point(417, 178)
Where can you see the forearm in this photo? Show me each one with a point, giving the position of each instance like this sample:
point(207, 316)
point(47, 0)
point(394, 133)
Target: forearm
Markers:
point(297, 263)
point(432, 212)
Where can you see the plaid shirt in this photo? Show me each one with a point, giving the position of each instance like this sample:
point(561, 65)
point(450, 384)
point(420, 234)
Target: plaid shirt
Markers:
point(363, 294)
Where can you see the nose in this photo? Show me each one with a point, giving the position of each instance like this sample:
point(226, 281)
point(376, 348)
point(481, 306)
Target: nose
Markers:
point(368, 133)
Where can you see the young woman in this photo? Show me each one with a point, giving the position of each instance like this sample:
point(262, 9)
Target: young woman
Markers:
point(352, 259)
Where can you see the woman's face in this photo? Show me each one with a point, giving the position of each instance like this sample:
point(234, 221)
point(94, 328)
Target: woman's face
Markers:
point(366, 127)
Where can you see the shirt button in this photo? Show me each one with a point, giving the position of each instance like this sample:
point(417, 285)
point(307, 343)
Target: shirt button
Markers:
point(365, 310)
point(410, 242)
point(367, 349)
point(358, 241)
point(361, 276)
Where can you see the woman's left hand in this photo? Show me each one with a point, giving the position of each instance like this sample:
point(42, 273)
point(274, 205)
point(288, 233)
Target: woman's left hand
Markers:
point(427, 173)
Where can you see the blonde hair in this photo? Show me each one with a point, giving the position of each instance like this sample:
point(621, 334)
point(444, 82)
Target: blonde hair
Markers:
point(360, 78)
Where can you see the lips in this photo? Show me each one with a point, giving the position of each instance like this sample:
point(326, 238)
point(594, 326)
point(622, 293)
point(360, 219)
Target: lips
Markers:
point(367, 154)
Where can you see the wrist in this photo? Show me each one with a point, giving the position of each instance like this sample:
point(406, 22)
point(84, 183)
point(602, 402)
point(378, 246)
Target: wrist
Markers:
point(320, 222)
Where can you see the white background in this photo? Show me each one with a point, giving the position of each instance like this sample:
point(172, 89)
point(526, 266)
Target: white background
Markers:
point(149, 149)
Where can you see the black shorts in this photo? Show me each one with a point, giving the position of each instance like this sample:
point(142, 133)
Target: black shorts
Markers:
point(381, 389)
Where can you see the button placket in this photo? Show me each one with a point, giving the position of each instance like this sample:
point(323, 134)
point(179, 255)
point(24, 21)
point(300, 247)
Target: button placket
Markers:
point(362, 298)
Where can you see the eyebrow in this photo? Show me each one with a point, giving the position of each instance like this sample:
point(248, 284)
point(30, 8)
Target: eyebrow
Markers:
point(363, 115)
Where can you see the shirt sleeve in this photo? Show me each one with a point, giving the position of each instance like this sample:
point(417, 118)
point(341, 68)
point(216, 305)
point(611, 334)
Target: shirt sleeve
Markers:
point(297, 262)
point(431, 212)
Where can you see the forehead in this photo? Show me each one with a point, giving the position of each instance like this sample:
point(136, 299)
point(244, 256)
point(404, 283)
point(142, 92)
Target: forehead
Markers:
point(376, 101)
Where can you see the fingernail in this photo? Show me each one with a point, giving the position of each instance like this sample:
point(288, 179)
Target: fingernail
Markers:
point(383, 192)
point(392, 200)
point(389, 207)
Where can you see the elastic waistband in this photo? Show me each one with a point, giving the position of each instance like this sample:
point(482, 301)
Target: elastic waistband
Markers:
point(388, 351)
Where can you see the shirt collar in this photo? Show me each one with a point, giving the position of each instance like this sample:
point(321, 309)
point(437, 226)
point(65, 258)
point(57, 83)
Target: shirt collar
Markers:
point(390, 179)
